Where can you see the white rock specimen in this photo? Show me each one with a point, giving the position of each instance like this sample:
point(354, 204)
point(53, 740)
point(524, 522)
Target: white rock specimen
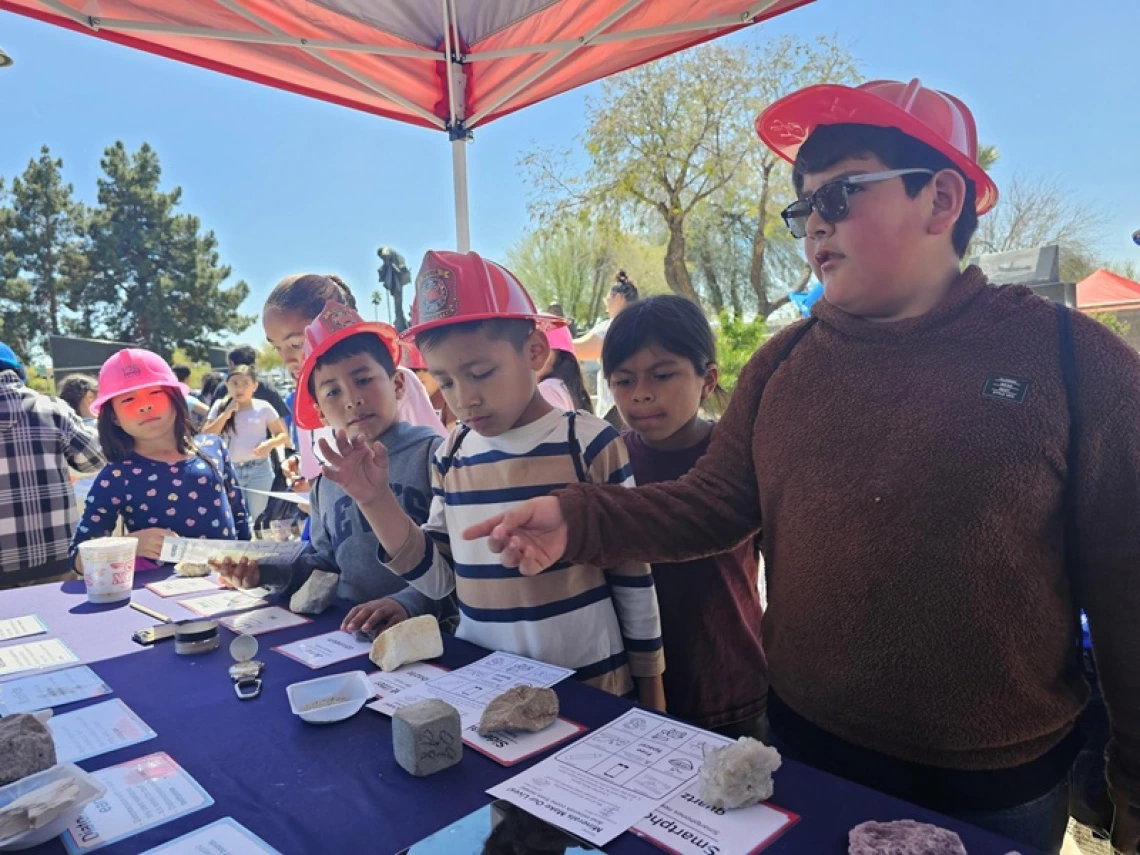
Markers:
point(521, 708)
point(26, 747)
point(412, 640)
point(316, 595)
point(739, 775)
point(191, 569)
point(67, 792)
point(905, 837)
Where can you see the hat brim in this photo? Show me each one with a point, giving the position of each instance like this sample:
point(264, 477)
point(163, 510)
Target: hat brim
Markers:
point(98, 403)
point(306, 413)
point(541, 320)
point(788, 123)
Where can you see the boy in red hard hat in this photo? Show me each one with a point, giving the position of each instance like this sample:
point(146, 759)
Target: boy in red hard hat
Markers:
point(947, 471)
point(484, 342)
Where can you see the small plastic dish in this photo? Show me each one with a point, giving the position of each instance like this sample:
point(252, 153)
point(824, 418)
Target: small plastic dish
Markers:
point(90, 789)
point(332, 698)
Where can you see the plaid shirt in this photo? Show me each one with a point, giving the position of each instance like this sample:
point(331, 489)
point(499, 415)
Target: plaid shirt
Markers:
point(39, 437)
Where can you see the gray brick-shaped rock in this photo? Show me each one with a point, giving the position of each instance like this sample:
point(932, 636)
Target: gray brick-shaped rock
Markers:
point(426, 737)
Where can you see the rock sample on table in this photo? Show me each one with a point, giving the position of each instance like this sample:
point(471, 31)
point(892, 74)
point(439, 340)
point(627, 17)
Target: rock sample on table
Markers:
point(191, 569)
point(316, 595)
point(426, 737)
point(26, 747)
point(521, 708)
point(412, 640)
point(738, 775)
point(905, 837)
point(70, 790)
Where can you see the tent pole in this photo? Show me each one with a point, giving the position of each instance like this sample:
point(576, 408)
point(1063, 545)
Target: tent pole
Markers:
point(462, 217)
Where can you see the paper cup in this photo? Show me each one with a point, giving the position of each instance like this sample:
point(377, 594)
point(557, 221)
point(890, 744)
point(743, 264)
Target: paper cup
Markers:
point(108, 568)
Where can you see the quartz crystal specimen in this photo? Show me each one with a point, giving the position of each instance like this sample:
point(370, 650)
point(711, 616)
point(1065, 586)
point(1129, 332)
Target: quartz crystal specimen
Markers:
point(521, 708)
point(26, 747)
point(412, 640)
point(738, 775)
point(905, 837)
point(191, 569)
point(316, 595)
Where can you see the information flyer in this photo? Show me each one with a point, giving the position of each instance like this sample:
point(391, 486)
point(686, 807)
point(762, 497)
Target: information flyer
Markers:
point(685, 825)
point(177, 585)
point(201, 550)
point(220, 604)
point(386, 683)
point(34, 654)
point(327, 649)
point(21, 627)
point(140, 794)
point(263, 620)
point(224, 837)
point(54, 689)
point(95, 730)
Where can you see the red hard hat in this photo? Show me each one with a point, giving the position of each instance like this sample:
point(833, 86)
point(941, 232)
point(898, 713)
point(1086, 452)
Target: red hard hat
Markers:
point(334, 324)
point(454, 287)
point(936, 118)
point(133, 369)
point(413, 359)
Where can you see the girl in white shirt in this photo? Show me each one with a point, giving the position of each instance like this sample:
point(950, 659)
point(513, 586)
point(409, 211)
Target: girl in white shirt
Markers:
point(251, 429)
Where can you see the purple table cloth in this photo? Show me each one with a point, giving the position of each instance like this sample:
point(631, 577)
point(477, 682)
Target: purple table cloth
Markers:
point(336, 788)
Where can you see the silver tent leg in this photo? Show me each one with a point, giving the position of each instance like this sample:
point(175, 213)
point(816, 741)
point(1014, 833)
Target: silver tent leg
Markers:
point(462, 214)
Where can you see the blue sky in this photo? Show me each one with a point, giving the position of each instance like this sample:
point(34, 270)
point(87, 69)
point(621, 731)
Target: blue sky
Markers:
point(290, 184)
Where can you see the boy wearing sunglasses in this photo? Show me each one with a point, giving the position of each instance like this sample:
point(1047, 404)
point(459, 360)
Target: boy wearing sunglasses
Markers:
point(908, 447)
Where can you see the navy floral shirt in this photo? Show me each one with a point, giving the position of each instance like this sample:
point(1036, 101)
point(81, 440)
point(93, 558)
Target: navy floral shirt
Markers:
point(187, 497)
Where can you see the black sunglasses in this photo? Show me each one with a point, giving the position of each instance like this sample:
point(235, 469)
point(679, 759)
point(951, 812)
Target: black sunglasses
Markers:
point(832, 201)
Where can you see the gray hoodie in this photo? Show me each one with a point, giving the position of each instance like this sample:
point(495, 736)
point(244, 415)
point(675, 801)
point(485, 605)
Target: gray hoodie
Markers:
point(342, 541)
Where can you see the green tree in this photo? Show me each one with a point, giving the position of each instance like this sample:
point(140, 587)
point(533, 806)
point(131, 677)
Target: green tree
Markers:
point(41, 256)
point(736, 341)
point(155, 278)
point(1113, 322)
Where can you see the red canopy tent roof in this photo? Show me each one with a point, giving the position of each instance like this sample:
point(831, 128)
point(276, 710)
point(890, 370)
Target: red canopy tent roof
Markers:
point(1104, 291)
point(447, 64)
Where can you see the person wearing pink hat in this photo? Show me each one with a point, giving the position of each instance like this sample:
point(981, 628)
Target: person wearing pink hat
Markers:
point(159, 480)
point(945, 473)
point(483, 340)
point(560, 380)
point(349, 382)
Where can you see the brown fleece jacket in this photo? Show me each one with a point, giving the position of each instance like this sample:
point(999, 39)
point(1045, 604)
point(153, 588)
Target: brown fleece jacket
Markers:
point(910, 476)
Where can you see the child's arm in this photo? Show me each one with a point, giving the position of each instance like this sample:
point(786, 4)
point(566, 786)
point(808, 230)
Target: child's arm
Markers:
point(422, 556)
point(280, 437)
point(214, 425)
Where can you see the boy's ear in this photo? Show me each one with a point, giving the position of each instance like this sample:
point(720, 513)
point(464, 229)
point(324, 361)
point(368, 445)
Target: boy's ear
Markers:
point(949, 198)
point(710, 380)
point(399, 381)
point(537, 349)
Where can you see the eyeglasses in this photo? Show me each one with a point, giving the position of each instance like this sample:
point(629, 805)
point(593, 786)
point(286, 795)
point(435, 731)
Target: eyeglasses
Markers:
point(832, 201)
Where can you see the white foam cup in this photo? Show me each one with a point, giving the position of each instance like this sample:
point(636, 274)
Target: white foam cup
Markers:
point(108, 568)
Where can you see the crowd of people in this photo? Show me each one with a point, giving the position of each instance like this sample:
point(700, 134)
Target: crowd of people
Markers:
point(941, 476)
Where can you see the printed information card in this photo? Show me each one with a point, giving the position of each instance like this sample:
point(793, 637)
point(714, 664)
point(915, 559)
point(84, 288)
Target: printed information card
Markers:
point(263, 620)
point(54, 689)
point(21, 627)
point(95, 730)
point(34, 654)
point(327, 649)
point(224, 837)
point(140, 794)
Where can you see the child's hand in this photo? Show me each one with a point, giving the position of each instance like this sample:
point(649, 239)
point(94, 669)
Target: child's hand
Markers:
point(239, 574)
point(150, 541)
point(264, 449)
point(359, 467)
point(377, 614)
point(531, 537)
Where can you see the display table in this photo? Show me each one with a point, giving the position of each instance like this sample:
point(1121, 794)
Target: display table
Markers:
point(336, 788)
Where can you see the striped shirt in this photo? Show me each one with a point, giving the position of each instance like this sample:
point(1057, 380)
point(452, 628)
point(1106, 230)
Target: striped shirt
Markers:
point(603, 622)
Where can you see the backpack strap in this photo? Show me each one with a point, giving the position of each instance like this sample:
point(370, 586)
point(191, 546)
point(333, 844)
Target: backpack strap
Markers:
point(450, 458)
point(800, 333)
point(1072, 551)
point(575, 447)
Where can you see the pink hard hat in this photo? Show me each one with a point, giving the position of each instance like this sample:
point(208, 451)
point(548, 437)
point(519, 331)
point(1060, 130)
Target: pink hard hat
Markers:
point(936, 118)
point(454, 287)
point(560, 339)
point(130, 370)
point(334, 324)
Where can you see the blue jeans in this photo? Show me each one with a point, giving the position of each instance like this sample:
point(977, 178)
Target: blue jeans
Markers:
point(257, 475)
point(1040, 823)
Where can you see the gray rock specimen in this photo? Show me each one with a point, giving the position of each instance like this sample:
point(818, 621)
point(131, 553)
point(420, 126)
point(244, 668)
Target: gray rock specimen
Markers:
point(316, 595)
point(521, 708)
point(412, 640)
point(739, 775)
point(426, 737)
point(26, 747)
point(905, 837)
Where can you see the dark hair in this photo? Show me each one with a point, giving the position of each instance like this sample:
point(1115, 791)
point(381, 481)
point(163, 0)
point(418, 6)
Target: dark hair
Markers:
point(830, 144)
point(239, 370)
point(556, 309)
point(210, 384)
point(514, 330)
point(117, 444)
point(74, 389)
point(243, 354)
point(354, 345)
point(307, 293)
point(567, 369)
point(182, 372)
point(624, 287)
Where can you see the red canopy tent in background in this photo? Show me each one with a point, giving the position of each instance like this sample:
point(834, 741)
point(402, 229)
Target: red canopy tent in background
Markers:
point(453, 65)
point(1106, 292)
